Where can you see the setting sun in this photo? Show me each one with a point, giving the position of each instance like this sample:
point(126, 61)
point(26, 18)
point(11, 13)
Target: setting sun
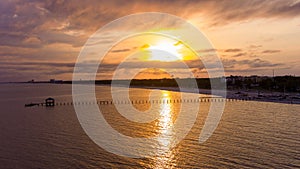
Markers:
point(166, 51)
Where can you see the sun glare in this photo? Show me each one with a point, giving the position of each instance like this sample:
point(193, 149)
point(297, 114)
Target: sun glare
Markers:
point(165, 51)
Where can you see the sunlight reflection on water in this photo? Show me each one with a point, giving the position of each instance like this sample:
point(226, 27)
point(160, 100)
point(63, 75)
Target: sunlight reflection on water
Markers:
point(165, 123)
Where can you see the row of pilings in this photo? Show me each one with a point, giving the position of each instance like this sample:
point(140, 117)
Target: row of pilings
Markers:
point(161, 101)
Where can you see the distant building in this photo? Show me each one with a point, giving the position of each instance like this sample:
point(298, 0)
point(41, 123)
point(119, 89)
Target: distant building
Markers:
point(50, 102)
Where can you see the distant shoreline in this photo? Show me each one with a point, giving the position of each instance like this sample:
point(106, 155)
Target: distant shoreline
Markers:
point(250, 95)
point(266, 96)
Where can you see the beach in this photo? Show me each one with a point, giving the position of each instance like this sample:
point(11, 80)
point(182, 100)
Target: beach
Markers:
point(250, 95)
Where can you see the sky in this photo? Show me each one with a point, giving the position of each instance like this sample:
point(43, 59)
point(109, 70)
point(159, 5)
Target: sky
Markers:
point(41, 40)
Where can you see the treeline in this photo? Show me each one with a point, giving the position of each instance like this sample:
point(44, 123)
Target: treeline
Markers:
point(279, 83)
point(287, 83)
point(203, 83)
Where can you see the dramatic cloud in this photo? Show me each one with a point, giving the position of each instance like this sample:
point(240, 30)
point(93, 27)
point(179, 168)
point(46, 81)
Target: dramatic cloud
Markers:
point(77, 17)
point(220, 12)
point(33, 32)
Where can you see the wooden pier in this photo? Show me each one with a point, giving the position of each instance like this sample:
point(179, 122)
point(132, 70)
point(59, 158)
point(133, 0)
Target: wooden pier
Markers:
point(50, 102)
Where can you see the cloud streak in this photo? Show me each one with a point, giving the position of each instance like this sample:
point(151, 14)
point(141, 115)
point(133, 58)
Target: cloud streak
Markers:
point(271, 51)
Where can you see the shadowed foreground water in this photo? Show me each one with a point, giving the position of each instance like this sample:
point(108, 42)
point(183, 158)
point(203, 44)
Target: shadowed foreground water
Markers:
point(249, 135)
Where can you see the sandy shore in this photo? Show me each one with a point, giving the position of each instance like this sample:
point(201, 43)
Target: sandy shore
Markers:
point(265, 96)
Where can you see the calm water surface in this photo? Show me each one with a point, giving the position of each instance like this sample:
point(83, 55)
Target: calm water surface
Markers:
point(249, 135)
